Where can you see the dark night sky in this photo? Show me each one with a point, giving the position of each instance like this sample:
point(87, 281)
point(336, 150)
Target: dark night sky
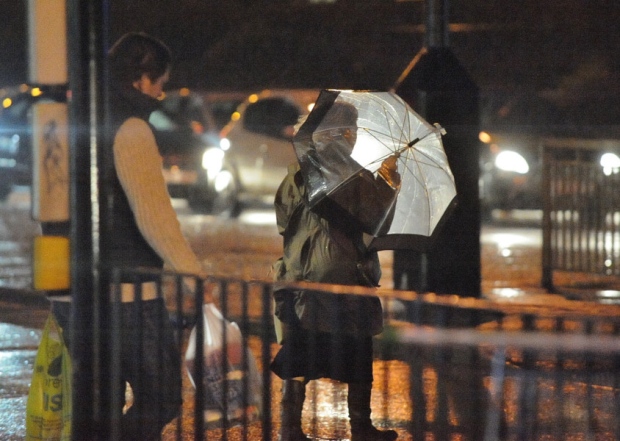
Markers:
point(522, 55)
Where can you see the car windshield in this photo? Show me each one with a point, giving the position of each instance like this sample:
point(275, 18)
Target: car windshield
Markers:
point(271, 117)
point(179, 113)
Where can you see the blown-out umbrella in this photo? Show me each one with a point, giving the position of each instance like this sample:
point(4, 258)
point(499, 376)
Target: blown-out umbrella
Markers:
point(337, 150)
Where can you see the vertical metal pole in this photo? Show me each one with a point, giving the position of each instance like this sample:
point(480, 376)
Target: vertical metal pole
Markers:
point(416, 391)
point(47, 66)
point(266, 322)
point(116, 342)
point(616, 385)
point(178, 292)
point(199, 362)
point(492, 429)
point(223, 287)
point(85, 24)
point(80, 235)
point(547, 270)
point(437, 27)
point(101, 163)
point(246, 354)
point(559, 375)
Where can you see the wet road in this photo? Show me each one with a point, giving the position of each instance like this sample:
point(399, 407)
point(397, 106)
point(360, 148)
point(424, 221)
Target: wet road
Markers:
point(17, 351)
point(245, 247)
point(510, 255)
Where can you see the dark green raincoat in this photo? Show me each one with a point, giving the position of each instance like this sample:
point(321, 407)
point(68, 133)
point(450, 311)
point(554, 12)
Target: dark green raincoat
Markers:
point(326, 245)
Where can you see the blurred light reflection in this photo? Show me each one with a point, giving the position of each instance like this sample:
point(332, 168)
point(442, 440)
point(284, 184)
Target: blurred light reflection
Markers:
point(506, 252)
point(258, 217)
point(507, 293)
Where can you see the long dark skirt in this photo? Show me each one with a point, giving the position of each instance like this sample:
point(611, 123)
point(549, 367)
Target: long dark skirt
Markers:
point(314, 355)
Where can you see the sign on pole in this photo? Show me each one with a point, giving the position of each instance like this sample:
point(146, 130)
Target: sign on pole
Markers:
point(50, 174)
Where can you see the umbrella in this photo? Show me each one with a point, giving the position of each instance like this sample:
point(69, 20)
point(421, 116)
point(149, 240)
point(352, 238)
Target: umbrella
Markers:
point(341, 156)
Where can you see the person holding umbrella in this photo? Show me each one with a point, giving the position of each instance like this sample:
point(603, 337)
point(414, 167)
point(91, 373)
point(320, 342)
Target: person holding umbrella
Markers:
point(330, 336)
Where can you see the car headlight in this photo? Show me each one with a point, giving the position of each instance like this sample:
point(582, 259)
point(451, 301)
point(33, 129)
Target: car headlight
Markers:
point(8, 163)
point(224, 144)
point(9, 144)
point(511, 161)
point(213, 161)
point(222, 181)
point(610, 163)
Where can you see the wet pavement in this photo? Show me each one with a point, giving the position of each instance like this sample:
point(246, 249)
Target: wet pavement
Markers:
point(18, 346)
point(511, 274)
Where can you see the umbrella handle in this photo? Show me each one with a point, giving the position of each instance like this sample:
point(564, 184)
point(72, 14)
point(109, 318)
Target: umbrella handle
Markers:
point(440, 129)
point(409, 145)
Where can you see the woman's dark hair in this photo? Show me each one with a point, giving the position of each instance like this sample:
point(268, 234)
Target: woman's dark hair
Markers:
point(135, 54)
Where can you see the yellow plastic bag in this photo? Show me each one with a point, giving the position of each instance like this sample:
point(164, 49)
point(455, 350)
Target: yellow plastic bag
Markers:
point(48, 410)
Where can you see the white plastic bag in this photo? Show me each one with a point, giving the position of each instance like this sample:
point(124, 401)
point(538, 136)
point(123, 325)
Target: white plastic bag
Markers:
point(214, 375)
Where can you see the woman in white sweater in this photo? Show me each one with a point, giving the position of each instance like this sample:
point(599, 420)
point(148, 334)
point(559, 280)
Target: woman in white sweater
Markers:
point(145, 234)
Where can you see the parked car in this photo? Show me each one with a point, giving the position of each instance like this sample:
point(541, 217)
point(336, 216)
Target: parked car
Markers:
point(16, 131)
point(257, 142)
point(222, 104)
point(184, 127)
point(194, 166)
point(510, 173)
point(188, 139)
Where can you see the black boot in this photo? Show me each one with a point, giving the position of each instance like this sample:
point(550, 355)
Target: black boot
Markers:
point(293, 396)
point(362, 429)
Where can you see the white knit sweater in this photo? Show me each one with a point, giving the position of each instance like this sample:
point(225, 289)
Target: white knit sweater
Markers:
point(139, 169)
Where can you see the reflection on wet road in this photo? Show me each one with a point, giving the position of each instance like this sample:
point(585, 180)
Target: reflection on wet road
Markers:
point(247, 247)
point(18, 347)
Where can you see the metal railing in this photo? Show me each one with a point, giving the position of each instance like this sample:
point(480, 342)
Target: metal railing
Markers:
point(444, 367)
point(581, 209)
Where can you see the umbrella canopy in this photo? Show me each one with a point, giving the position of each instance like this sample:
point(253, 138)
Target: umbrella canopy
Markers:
point(374, 143)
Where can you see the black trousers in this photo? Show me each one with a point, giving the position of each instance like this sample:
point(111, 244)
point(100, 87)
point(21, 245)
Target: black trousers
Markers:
point(150, 362)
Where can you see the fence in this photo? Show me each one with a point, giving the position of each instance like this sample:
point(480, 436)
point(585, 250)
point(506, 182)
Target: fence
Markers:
point(581, 211)
point(444, 368)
